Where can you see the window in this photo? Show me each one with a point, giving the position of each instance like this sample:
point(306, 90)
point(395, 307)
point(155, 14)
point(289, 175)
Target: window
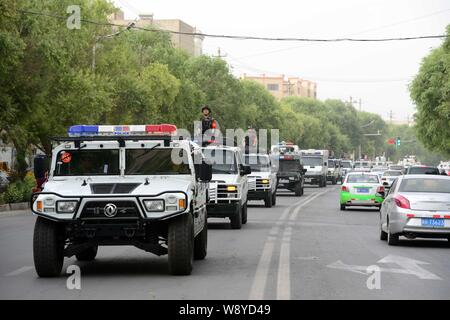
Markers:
point(223, 161)
point(273, 87)
point(425, 185)
point(362, 178)
point(86, 162)
point(312, 161)
point(258, 163)
point(156, 161)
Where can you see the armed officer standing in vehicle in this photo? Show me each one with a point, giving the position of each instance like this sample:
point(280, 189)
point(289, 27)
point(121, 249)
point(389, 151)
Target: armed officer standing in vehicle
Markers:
point(208, 123)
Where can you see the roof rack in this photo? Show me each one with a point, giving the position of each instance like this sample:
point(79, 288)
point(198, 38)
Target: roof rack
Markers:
point(121, 139)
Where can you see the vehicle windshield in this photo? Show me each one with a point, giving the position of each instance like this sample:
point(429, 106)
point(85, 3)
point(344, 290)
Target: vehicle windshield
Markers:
point(85, 162)
point(312, 161)
point(163, 161)
point(363, 164)
point(362, 178)
point(223, 161)
point(257, 163)
point(396, 167)
point(331, 164)
point(423, 170)
point(346, 165)
point(392, 173)
point(425, 185)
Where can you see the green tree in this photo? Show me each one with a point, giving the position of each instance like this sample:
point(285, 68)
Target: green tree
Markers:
point(430, 90)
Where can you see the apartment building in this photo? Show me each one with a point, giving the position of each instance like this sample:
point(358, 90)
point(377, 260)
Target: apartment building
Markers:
point(191, 44)
point(280, 86)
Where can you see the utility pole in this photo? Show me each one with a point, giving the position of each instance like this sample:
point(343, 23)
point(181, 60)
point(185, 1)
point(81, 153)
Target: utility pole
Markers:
point(219, 54)
point(391, 116)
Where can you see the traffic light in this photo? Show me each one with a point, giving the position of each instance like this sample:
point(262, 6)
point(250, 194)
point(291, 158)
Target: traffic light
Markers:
point(398, 142)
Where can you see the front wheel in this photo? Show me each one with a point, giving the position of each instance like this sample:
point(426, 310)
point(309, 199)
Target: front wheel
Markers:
point(298, 189)
point(342, 207)
point(244, 213)
point(333, 181)
point(48, 248)
point(181, 245)
point(201, 243)
point(236, 219)
point(268, 201)
point(274, 198)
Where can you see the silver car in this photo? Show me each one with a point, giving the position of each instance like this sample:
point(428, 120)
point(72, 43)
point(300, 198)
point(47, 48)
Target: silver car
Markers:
point(416, 206)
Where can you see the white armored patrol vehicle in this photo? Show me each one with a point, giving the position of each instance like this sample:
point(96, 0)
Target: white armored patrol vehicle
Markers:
point(263, 179)
point(122, 185)
point(228, 188)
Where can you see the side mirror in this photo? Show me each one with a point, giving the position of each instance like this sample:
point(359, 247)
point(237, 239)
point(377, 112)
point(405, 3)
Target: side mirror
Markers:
point(245, 170)
point(304, 170)
point(41, 166)
point(325, 164)
point(205, 174)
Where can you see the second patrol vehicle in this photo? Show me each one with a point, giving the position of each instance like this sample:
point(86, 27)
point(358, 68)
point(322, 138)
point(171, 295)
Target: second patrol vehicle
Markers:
point(263, 179)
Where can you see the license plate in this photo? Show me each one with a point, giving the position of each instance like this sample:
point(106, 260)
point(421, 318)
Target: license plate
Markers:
point(284, 181)
point(363, 190)
point(308, 180)
point(429, 222)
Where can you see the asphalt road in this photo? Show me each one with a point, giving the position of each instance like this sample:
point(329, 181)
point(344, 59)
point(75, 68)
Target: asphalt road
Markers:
point(303, 248)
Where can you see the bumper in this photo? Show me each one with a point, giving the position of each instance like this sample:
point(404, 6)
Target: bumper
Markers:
point(313, 179)
point(400, 223)
point(222, 210)
point(258, 194)
point(350, 199)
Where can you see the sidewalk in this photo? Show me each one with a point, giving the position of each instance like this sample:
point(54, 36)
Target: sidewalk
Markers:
point(12, 209)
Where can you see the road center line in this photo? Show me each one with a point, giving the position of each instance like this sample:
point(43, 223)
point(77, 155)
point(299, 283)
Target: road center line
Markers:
point(284, 272)
point(262, 270)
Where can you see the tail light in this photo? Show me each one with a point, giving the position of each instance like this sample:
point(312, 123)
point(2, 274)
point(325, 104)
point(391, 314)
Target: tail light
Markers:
point(383, 179)
point(402, 202)
point(380, 189)
point(344, 189)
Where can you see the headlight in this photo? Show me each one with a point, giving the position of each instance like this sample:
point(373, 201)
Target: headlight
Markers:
point(231, 188)
point(66, 206)
point(265, 181)
point(154, 205)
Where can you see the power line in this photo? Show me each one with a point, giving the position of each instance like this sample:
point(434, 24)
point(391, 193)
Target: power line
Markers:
point(241, 37)
point(352, 34)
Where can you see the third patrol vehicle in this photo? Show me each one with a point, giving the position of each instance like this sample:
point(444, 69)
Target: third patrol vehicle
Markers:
point(263, 180)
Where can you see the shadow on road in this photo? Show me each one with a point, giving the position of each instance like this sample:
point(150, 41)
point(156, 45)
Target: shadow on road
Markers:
point(424, 243)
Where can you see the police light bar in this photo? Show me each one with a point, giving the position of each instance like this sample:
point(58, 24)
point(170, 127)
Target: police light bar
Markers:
point(122, 130)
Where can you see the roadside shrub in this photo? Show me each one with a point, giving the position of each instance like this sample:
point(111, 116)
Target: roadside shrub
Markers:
point(20, 191)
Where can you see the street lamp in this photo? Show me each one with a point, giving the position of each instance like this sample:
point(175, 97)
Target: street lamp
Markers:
point(99, 38)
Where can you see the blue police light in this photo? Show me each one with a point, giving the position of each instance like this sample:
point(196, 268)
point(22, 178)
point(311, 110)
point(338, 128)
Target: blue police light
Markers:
point(82, 130)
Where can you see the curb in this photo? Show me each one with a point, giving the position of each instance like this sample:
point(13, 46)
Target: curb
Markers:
point(14, 206)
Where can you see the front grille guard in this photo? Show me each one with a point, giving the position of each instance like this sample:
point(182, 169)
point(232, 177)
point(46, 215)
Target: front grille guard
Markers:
point(215, 193)
point(112, 197)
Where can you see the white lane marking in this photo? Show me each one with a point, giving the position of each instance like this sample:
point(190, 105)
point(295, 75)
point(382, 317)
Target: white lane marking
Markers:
point(408, 266)
point(293, 217)
point(18, 271)
point(284, 272)
point(411, 265)
point(308, 258)
point(262, 270)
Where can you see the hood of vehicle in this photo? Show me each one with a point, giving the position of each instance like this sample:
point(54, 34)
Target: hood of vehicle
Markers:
point(225, 178)
point(439, 202)
point(259, 175)
point(118, 185)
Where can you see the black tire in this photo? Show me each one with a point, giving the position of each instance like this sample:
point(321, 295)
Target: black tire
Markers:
point(244, 213)
point(87, 255)
point(274, 198)
point(181, 245)
point(201, 243)
point(324, 182)
point(298, 189)
point(383, 235)
point(392, 239)
point(342, 207)
point(268, 201)
point(48, 248)
point(236, 219)
point(333, 181)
